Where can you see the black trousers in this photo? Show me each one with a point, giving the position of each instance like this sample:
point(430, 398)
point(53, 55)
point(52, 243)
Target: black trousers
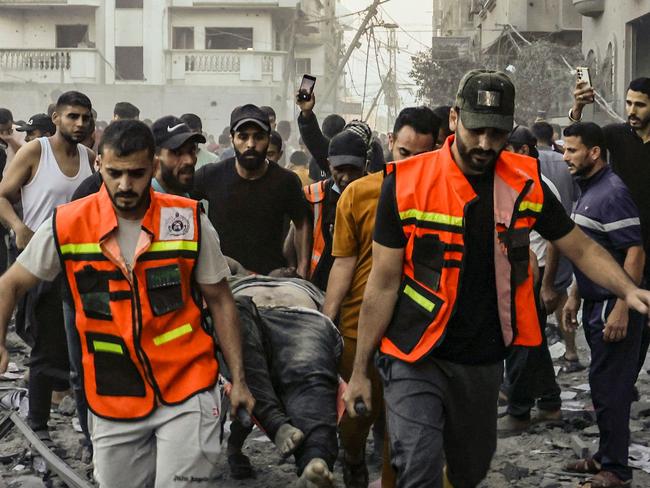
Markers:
point(612, 374)
point(76, 371)
point(49, 368)
point(530, 376)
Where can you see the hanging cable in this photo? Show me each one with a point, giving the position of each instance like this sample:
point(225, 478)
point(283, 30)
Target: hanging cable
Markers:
point(365, 79)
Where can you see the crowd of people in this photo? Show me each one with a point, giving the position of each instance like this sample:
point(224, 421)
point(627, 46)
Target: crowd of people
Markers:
point(326, 287)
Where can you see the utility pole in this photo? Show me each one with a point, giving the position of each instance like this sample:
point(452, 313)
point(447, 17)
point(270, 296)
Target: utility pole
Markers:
point(392, 96)
point(372, 11)
point(377, 96)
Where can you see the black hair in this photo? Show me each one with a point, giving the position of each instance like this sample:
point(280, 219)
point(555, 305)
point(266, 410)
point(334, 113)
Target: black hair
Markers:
point(442, 112)
point(543, 131)
point(421, 119)
point(299, 158)
point(74, 99)
point(284, 128)
point(267, 110)
point(276, 140)
point(193, 121)
point(126, 137)
point(332, 125)
point(591, 135)
point(224, 139)
point(126, 110)
point(640, 85)
point(6, 116)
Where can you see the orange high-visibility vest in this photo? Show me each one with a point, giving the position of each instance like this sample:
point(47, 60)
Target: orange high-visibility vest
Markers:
point(141, 334)
point(315, 194)
point(432, 197)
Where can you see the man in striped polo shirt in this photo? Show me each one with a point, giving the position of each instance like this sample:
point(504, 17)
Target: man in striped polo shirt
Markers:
point(606, 212)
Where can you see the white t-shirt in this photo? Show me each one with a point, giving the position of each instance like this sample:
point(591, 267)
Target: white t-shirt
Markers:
point(41, 258)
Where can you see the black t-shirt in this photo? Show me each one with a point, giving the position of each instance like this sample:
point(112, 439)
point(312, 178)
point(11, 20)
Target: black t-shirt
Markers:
point(473, 335)
point(249, 214)
point(629, 157)
point(89, 186)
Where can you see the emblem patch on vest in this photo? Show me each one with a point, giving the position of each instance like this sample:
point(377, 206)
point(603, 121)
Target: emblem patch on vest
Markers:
point(176, 223)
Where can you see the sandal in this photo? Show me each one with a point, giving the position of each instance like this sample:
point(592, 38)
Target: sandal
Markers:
point(240, 466)
point(605, 479)
point(571, 365)
point(583, 466)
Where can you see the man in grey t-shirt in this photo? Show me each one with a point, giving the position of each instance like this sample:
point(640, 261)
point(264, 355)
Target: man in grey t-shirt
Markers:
point(163, 447)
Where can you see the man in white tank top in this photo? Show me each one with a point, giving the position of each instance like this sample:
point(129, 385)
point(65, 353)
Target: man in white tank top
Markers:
point(44, 174)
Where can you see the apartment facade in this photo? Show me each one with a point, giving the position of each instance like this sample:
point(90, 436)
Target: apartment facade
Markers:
point(166, 56)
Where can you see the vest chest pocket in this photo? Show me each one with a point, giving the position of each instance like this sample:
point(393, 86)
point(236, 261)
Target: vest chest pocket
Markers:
point(416, 309)
point(428, 260)
point(115, 373)
point(94, 292)
point(517, 244)
point(164, 289)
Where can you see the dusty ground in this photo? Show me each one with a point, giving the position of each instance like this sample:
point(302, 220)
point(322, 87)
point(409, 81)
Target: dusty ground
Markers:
point(533, 459)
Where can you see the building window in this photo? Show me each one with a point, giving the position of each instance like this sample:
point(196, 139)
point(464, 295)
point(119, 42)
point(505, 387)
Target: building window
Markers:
point(183, 38)
point(228, 38)
point(72, 36)
point(129, 63)
point(128, 3)
point(303, 66)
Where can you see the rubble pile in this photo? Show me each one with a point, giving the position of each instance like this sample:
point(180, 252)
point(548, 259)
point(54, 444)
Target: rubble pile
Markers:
point(533, 459)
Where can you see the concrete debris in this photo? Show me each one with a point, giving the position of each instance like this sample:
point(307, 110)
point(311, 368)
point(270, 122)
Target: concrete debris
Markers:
point(580, 448)
point(67, 406)
point(640, 410)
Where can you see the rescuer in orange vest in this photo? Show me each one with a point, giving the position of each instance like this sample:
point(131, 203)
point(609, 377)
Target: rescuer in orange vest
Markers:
point(451, 287)
point(347, 155)
point(138, 265)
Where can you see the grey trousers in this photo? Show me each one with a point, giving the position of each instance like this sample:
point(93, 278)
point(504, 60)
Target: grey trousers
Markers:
point(440, 411)
point(175, 447)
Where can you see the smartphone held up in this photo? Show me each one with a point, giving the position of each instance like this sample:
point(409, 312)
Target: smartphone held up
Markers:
point(306, 88)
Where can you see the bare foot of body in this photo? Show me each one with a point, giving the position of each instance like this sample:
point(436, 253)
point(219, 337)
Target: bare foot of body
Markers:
point(316, 475)
point(287, 439)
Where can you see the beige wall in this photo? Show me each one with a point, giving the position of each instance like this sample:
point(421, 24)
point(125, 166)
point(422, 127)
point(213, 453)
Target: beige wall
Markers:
point(40, 31)
point(611, 27)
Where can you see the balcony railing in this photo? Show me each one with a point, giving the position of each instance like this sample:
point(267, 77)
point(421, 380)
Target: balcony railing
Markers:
point(48, 65)
point(227, 66)
point(49, 3)
point(34, 60)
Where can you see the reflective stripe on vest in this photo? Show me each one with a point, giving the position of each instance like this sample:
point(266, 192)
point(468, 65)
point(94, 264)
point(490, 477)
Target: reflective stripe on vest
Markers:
point(432, 198)
point(142, 339)
point(315, 194)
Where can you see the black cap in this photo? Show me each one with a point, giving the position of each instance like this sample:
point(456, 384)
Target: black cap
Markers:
point(170, 132)
point(522, 135)
point(40, 122)
point(347, 148)
point(249, 113)
point(486, 99)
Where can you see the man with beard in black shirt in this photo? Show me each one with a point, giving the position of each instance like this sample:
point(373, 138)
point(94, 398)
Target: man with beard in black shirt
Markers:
point(250, 196)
